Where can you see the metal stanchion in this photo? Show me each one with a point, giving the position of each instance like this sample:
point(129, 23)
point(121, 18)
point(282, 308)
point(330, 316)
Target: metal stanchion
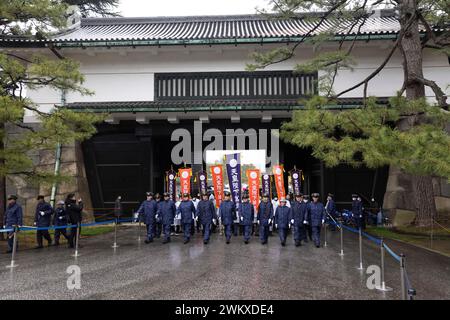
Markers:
point(360, 250)
point(342, 240)
point(13, 255)
point(115, 235)
point(139, 231)
point(77, 239)
point(383, 283)
point(402, 276)
point(325, 235)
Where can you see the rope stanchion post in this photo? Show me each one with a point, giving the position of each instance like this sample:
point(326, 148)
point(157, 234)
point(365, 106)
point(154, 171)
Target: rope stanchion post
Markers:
point(139, 231)
point(360, 250)
point(383, 286)
point(77, 239)
point(14, 248)
point(115, 235)
point(341, 230)
point(402, 276)
point(325, 244)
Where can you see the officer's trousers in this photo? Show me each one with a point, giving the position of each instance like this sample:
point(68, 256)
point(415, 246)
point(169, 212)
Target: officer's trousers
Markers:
point(166, 230)
point(282, 233)
point(316, 235)
point(206, 231)
point(11, 240)
point(299, 232)
point(150, 231)
point(227, 228)
point(73, 236)
point(58, 233)
point(187, 227)
point(263, 232)
point(43, 234)
point(247, 232)
point(157, 227)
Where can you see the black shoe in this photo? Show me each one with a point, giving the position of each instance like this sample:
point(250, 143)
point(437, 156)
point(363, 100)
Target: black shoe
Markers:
point(186, 241)
point(306, 241)
point(283, 244)
point(317, 245)
point(165, 241)
point(147, 241)
point(264, 242)
point(56, 244)
point(298, 244)
point(228, 241)
point(205, 242)
point(246, 241)
point(8, 251)
point(39, 247)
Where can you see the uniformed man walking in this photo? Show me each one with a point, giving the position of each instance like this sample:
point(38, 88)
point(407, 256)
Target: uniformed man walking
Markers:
point(187, 211)
point(13, 218)
point(316, 214)
point(59, 220)
point(167, 212)
point(358, 212)
point(247, 213)
point(158, 225)
point(42, 219)
point(227, 213)
point(264, 218)
point(308, 233)
point(147, 211)
point(74, 209)
point(206, 216)
point(330, 208)
point(299, 213)
point(283, 216)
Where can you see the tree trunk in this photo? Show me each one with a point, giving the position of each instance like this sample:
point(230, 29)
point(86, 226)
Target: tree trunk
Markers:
point(411, 49)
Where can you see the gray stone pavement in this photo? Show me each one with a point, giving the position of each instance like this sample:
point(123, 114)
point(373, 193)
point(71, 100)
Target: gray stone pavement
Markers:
point(217, 271)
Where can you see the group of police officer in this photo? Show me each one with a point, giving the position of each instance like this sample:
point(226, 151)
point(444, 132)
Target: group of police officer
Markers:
point(304, 216)
point(66, 212)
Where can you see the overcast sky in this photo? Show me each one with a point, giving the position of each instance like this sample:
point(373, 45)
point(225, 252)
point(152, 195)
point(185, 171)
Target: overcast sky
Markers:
point(148, 8)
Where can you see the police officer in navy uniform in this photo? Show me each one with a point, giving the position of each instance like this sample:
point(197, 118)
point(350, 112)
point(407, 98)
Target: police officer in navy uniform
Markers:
point(283, 216)
point(358, 212)
point(74, 209)
point(42, 219)
point(167, 212)
point(264, 218)
point(316, 215)
point(227, 211)
point(206, 216)
point(308, 233)
point(13, 218)
point(187, 211)
point(60, 220)
point(158, 225)
point(147, 211)
point(247, 213)
point(330, 208)
point(299, 210)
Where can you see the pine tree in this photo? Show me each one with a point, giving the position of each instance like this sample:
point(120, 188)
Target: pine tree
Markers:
point(409, 133)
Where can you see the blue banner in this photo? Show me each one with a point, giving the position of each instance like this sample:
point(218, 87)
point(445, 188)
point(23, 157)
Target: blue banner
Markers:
point(265, 185)
point(233, 162)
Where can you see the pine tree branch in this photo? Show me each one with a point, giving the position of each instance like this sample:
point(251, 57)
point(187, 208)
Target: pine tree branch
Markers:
point(441, 97)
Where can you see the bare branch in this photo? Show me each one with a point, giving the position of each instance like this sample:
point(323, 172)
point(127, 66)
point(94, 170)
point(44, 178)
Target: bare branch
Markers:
point(441, 97)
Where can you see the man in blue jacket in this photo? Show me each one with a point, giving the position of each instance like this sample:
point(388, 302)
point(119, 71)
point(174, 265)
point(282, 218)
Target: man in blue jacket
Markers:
point(247, 213)
point(299, 210)
point(42, 219)
point(227, 211)
point(166, 211)
point(147, 212)
point(358, 211)
point(206, 216)
point(187, 211)
point(283, 216)
point(264, 218)
point(330, 208)
point(13, 218)
point(316, 215)
point(59, 220)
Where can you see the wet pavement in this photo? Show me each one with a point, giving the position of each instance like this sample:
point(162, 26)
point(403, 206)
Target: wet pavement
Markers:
point(218, 271)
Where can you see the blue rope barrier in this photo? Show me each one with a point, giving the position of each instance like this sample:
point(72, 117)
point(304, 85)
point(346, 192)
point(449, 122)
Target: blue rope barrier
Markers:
point(371, 238)
point(392, 253)
point(6, 230)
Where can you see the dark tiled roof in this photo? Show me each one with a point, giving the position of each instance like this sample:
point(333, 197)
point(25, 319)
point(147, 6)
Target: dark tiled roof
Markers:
point(206, 105)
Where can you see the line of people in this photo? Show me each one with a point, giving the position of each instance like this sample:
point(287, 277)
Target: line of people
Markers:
point(66, 213)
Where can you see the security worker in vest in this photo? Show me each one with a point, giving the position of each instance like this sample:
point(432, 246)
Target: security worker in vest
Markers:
point(264, 218)
point(227, 213)
point(316, 214)
point(167, 212)
point(358, 212)
point(147, 211)
point(283, 216)
point(206, 216)
point(13, 218)
point(42, 219)
point(299, 212)
point(60, 220)
point(247, 213)
point(187, 211)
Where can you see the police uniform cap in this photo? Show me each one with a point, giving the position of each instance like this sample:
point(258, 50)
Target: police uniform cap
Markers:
point(299, 195)
point(315, 194)
point(283, 200)
point(149, 194)
point(185, 195)
point(354, 195)
point(166, 194)
point(265, 195)
point(60, 202)
point(12, 197)
point(331, 195)
point(39, 197)
point(227, 193)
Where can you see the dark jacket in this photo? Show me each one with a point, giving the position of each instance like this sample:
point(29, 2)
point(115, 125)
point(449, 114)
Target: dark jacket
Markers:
point(167, 211)
point(357, 209)
point(247, 212)
point(227, 211)
point(147, 211)
point(206, 212)
point(265, 212)
point(299, 211)
point(73, 210)
point(316, 213)
point(43, 220)
point(60, 217)
point(187, 211)
point(13, 216)
point(283, 216)
point(331, 207)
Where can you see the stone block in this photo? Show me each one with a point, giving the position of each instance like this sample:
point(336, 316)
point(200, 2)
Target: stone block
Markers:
point(442, 206)
point(403, 218)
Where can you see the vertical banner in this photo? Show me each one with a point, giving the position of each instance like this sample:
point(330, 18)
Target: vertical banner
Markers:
point(171, 186)
point(185, 180)
point(233, 162)
point(279, 180)
point(253, 186)
point(266, 186)
point(296, 180)
point(217, 179)
point(202, 179)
